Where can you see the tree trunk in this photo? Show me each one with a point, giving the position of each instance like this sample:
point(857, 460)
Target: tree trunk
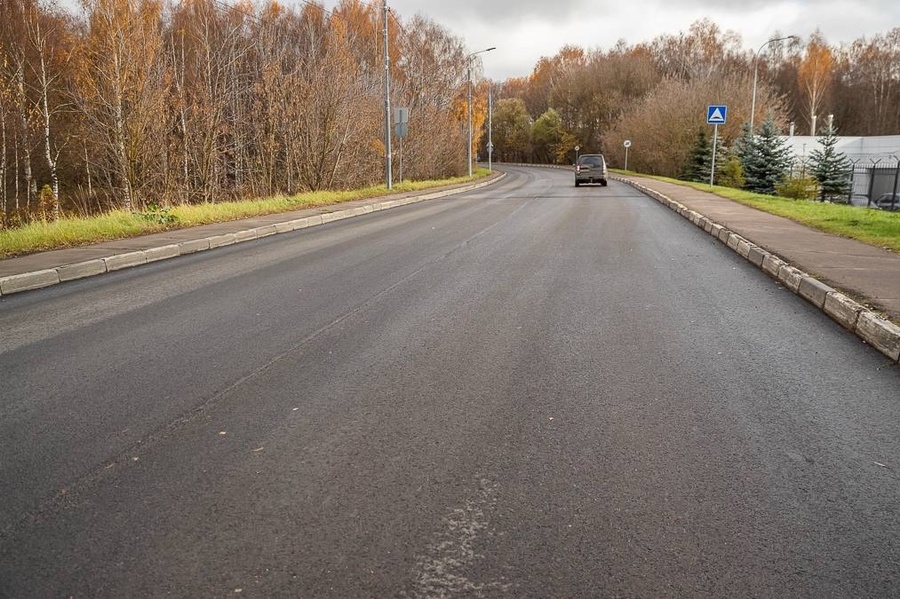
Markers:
point(48, 150)
point(30, 184)
point(119, 124)
point(3, 163)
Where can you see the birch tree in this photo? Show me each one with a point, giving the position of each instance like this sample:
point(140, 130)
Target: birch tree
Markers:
point(814, 74)
point(18, 106)
point(121, 89)
point(48, 36)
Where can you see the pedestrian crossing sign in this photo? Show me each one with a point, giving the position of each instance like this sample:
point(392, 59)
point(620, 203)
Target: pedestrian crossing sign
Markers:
point(715, 115)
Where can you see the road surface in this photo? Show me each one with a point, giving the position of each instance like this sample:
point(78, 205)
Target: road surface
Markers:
point(529, 390)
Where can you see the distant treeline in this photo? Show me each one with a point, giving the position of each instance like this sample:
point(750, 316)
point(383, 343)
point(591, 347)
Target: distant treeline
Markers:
point(656, 94)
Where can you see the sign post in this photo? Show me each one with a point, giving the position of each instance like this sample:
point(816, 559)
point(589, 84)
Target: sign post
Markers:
point(627, 145)
point(715, 115)
point(401, 128)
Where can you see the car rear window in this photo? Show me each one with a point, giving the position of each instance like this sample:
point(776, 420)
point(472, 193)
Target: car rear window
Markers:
point(592, 160)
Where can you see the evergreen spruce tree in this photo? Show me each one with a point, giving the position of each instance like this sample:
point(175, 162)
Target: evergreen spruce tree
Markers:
point(743, 145)
point(766, 160)
point(830, 168)
point(723, 151)
point(700, 159)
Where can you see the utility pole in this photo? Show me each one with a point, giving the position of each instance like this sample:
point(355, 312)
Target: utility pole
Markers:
point(469, 111)
point(469, 101)
point(387, 103)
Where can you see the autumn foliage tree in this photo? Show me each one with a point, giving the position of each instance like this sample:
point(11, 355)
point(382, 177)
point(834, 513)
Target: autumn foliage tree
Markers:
point(814, 74)
point(133, 102)
point(121, 91)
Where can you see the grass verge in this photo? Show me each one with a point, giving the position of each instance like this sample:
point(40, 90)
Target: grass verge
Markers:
point(874, 227)
point(72, 232)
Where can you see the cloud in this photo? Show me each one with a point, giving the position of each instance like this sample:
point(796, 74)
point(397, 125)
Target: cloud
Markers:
point(525, 30)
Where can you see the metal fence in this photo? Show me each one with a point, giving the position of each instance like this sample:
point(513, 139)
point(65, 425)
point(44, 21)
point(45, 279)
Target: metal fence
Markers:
point(872, 178)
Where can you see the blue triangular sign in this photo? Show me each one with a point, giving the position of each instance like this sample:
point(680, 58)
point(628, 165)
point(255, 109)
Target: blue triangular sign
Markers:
point(715, 115)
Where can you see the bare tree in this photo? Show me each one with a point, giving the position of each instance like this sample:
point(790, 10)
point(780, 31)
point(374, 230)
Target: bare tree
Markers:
point(430, 81)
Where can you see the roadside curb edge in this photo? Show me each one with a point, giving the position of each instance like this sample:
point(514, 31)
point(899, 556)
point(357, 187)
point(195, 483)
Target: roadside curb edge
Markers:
point(868, 325)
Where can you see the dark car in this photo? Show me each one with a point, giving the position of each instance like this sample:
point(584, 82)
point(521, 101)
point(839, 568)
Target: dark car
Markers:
point(888, 201)
point(590, 168)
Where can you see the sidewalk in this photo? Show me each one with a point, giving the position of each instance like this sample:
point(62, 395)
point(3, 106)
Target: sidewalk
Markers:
point(858, 285)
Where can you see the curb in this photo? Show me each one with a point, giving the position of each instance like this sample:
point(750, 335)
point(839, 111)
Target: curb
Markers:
point(880, 333)
point(79, 270)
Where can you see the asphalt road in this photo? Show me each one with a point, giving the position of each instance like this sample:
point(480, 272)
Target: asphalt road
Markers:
point(527, 390)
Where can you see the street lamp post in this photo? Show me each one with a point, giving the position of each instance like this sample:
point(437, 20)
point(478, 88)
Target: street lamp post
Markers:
point(756, 72)
point(490, 143)
point(387, 104)
point(469, 101)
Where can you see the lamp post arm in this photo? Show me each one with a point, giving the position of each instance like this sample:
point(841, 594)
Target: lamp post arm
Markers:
point(756, 73)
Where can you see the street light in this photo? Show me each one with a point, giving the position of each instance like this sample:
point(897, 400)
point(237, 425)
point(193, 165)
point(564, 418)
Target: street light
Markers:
point(756, 70)
point(469, 100)
point(490, 143)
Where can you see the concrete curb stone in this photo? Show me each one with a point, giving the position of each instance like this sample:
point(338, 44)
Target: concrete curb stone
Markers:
point(757, 255)
point(881, 334)
point(791, 276)
point(814, 291)
point(189, 247)
point(127, 260)
point(878, 332)
point(81, 270)
point(221, 240)
point(28, 281)
point(163, 252)
point(772, 264)
point(842, 309)
point(265, 231)
point(242, 236)
point(733, 241)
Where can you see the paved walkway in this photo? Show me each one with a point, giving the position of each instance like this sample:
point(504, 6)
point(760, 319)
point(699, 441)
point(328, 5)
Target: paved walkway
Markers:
point(867, 274)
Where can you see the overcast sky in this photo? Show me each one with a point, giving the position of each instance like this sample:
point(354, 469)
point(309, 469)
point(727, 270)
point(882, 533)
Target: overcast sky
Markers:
point(525, 30)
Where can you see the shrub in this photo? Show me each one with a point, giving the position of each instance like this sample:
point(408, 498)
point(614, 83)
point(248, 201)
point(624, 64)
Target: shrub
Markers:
point(731, 173)
point(157, 214)
point(797, 188)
